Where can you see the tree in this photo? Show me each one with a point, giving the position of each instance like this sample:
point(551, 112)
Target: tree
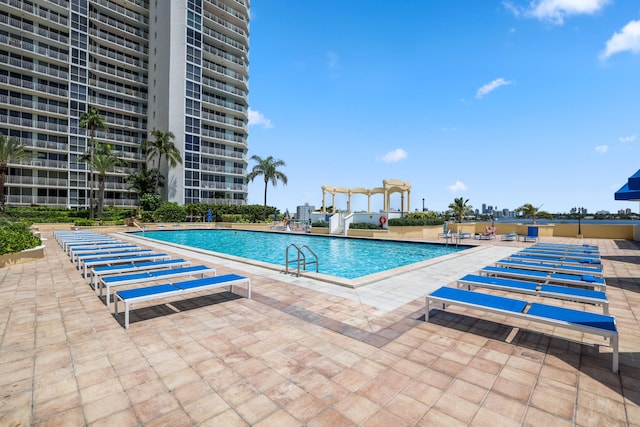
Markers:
point(103, 160)
point(92, 120)
point(144, 181)
point(529, 211)
point(268, 168)
point(460, 208)
point(10, 151)
point(162, 145)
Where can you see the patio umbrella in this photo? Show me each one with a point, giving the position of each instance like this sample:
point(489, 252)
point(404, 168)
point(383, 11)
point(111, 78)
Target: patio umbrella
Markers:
point(631, 190)
point(209, 216)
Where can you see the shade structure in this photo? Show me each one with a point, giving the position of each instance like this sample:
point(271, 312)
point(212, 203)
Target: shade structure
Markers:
point(631, 190)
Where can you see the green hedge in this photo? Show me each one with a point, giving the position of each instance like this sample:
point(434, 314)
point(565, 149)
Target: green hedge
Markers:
point(412, 222)
point(365, 226)
point(16, 237)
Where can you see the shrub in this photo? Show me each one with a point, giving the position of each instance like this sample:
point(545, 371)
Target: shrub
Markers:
point(170, 212)
point(16, 237)
point(234, 218)
point(409, 221)
point(83, 222)
point(320, 224)
point(365, 226)
point(150, 202)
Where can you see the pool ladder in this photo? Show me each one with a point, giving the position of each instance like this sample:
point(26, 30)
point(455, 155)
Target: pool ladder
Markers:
point(301, 259)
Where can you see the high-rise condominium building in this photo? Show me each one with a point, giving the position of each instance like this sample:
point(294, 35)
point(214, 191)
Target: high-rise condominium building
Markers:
point(168, 65)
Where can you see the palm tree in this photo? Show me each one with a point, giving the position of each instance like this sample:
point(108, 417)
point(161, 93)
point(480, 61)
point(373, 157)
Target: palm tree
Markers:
point(10, 151)
point(460, 208)
point(162, 145)
point(268, 168)
point(144, 181)
point(103, 160)
point(92, 120)
point(529, 211)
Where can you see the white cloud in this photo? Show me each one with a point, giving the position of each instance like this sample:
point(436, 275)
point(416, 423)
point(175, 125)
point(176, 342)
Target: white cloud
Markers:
point(458, 186)
point(556, 11)
point(394, 156)
point(257, 118)
point(629, 138)
point(602, 148)
point(332, 60)
point(490, 87)
point(626, 39)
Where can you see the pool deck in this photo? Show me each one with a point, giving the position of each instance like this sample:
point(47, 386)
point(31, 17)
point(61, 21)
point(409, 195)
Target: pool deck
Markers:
point(306, 352)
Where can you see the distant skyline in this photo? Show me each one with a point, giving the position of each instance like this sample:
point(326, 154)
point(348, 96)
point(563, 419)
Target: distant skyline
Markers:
point(499, 102)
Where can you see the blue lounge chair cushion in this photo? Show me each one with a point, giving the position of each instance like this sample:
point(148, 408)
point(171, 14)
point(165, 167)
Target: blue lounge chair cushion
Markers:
point(154, 274)
point(540, 275)
point(149, 290)
point(477, 298)
point(139, 265)
point(565, 290)
point(588, 278)
point(191, 284)
point(552, 266)
point(577, 317)
point(499, 281)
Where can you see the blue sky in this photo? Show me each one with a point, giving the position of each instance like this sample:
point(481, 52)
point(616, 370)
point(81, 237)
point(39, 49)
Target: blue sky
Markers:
point(499, 102)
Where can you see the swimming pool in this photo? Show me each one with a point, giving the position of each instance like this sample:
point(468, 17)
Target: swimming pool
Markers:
point(348, 258)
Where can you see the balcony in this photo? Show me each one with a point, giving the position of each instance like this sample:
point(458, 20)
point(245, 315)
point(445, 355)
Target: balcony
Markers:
point(136, 17)
point(36, 87)
point(29, 181)
point(30, 47)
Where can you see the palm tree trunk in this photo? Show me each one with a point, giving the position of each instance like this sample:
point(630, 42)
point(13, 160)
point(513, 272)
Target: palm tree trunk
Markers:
point(100, 195)
point(3, 173)
point(264, 212)
point(91, 175)
point(158, 176)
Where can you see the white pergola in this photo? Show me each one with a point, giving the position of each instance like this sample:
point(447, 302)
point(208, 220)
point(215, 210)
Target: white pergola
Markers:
point(389, 186)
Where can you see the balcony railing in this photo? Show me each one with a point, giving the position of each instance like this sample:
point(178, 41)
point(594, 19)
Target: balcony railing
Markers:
point(124, 11)
point(35, 181)
point(223, 153)
point(39, 68)
point(118, 89)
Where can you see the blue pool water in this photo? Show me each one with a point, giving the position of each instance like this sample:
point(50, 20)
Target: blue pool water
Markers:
point(346, 258)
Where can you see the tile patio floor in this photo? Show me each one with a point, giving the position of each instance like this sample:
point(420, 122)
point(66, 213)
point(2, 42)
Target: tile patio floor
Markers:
point(302, 352)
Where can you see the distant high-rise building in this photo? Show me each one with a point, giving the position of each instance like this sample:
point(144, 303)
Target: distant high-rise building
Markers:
point(179, 66)
point(304, 212)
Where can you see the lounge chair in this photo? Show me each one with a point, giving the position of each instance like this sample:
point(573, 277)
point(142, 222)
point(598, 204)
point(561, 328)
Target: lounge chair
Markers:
point(85, 242)
point(96, 255)
point(581, 280)
point(587, 296)
point(170, 290)
point(489, 233)
point(75, 248)
point(509, 237)
point(131, 267)
point(565, 246)
point(148, 276)
point(594, 271)
point(557, 260)
point(590, 323)
point(100, 249)
point(572, 251)
point(121, 260)
point(561, 255)
point(532, 234)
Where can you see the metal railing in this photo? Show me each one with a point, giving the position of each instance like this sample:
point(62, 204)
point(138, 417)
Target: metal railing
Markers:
point(301, 258)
